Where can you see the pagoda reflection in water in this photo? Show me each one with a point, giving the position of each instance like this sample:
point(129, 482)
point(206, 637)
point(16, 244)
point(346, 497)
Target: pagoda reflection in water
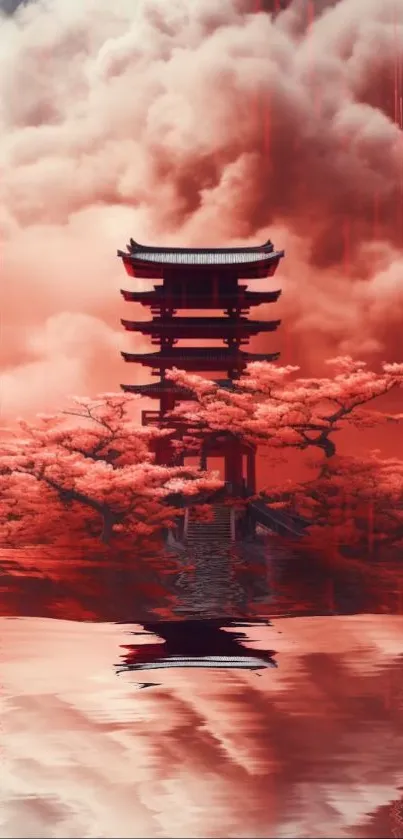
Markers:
point(196, 643)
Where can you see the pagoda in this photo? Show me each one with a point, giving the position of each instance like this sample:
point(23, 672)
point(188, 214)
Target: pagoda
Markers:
point(203, 280)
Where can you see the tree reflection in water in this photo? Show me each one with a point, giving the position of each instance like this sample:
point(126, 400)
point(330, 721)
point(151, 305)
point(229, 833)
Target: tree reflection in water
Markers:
point(268, 581)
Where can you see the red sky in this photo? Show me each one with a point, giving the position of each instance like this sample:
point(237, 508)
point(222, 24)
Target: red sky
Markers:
point(195, 123)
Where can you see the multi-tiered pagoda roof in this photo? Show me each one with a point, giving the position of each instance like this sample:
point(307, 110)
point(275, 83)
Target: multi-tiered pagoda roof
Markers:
point(199, 279)
point(203, 280)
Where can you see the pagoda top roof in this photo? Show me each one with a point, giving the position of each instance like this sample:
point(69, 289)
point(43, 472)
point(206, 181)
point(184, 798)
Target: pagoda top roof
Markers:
point(201, 256)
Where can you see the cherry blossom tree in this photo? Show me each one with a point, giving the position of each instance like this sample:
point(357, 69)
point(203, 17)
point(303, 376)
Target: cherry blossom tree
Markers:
point(90, 471)
point(354, 502)
point(273, 406)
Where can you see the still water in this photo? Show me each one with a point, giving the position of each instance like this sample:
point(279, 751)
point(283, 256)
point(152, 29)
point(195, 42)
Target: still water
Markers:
point(110, 726)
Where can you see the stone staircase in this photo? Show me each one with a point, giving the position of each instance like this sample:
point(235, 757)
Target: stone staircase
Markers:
point(218, 532)
point(210, 588)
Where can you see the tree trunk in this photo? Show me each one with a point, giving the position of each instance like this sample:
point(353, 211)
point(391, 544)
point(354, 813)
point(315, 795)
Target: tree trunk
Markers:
point(108, 520)
point(327, 446)
point(203, 457)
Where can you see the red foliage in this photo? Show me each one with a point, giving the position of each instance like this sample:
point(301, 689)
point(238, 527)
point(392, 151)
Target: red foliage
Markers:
point(273, 407)
point(354, 502)
point(86, 473)
point(89, 472)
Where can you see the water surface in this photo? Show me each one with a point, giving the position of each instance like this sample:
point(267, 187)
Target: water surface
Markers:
point(312, 747)
point(234, 699)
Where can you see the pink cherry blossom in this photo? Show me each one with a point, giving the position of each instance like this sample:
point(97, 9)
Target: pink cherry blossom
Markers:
point(274, 407)
point(89, 472)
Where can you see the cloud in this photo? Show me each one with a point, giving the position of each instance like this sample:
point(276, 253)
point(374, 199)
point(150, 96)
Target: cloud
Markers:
point(61, 357)
point(203, 123)
point(9, 6)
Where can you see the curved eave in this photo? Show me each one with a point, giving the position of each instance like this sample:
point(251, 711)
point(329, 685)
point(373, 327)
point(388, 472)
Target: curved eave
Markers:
point(181, 355)
point(166, 387)
point(157, 390)
point(225, 328)
point(162, 296)
point(202, 259)
point(264, 266)
point(135, 247)
point(197, 362)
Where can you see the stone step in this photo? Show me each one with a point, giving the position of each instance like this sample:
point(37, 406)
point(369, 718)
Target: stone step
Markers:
point(218, 530)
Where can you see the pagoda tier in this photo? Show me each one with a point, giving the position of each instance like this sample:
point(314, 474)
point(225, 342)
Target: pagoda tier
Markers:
point(161, 297)
point(242, 263)
point(239, 329)
point(160, 389)
point(168, 388)
point(198, 358)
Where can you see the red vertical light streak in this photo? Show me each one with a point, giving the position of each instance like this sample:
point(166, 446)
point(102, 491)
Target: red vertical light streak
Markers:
point(346, 244)
point(258, 113)
point(397, 73)
point(257, 8)
point(396, 76)
point(398, 116)
point(310, 14)
point(266, 131)
point(400, 202)
point(315, 88)
point(376, 216)
point(399, 64)
point(260, 104)
point(399, 184)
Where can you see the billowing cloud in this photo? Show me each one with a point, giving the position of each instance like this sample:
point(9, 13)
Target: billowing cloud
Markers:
point(197, 122)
